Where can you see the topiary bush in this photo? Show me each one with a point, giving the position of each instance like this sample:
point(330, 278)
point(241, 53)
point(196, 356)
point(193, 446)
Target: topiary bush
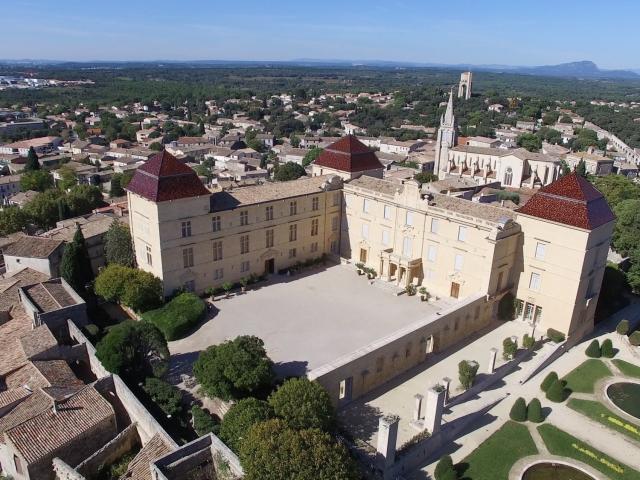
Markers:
point(607, 350)
point(509, 348)
point(445, 469)
point(555, 335)
point(634, 338)
point(623, 327)
point(534, 411)
point(528, 341)
point(518, 411)
point(549, 380)
point(178, 316)
point(556, 392)
point(593, 350)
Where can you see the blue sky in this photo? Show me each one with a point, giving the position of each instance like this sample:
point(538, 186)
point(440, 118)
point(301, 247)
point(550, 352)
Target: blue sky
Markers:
point(511, 32)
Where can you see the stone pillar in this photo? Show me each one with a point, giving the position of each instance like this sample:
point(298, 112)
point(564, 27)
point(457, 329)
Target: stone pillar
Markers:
point(417, 407)
point(493, 352)
point(387, 438)
point(435, 405)
point(446, 381)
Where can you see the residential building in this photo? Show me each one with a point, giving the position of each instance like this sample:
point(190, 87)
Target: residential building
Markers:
point(41, 254)
point(9, 186)
point(594, 164)
point(349, 158)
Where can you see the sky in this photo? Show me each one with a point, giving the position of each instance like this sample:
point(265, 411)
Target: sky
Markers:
point(514, 32)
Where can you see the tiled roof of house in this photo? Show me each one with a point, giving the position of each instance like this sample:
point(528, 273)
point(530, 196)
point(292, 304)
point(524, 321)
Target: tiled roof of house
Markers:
point(42, 433)
point(42, 373)
point(571, 200)
point(348, 155)
point(14, 280)
point(163, 178)
point(50, 295)
point(32, 247)
point(140, 468)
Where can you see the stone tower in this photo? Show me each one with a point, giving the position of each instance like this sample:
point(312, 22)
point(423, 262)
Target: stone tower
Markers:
point(466, 85)
point(446, 139)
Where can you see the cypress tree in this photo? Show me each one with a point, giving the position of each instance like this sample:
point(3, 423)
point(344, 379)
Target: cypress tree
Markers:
point(75, 267)
point(518, 412)
point(534, 411)
point(32, 161)
point(607, 349)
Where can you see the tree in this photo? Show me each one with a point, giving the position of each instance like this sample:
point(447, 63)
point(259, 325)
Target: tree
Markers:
point(509, 348)
point(467, 371)
point(534, 411)
point(627, 229)
point(581, 168)
point(549, 380)
point(445, 470)
point(556, 392)
point(75, 266)
point(36, 180)
point(12, 219)
point(303, 404)
point(425, 177)
point(593, 350)
point(289, 171)
point(32, 161)
point(68, 177)
point(118, 245)
point(530, 142)
point(274, 451)
point(134, 288)
point(116, 189)
point(203, 423)
point(518, 411)
point(82, 199)
point(156, 146)
point(164, 395)
point(564, 168)
point(234, 369)
point(607, 350)
point(43, 209)
point(311, 156)
point(240, 418)
point(617, 188)
point(134, 349)
point(111, 282)
point(295, 141)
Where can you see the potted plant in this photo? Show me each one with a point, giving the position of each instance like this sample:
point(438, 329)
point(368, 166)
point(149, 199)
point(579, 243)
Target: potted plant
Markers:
point(424, 295)
point(371, 273)
point(227, 286)
point(211, 293)
point(361, 268)
point(410, 290)
point(244, 281)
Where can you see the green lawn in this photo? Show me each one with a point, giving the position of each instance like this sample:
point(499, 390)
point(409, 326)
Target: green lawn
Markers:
point(492, 460)
point(629, 369)
point(583, 378)
point(561, 443)
point(601, 414)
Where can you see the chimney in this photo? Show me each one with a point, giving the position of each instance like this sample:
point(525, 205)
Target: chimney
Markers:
point(54, 409)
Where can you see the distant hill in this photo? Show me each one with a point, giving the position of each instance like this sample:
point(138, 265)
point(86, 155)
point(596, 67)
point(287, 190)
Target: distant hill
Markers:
point(583, 69)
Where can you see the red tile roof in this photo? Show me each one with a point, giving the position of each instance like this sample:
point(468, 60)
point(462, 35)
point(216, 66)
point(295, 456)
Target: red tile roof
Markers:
point(571, 200)
point(163, 177)
point(348, 155)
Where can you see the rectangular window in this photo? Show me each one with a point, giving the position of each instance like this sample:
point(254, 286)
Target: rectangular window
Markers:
point(186, 229)
point(336, 199)
point(534, 281)
point(292, 253)
point(315, 204)
point(434, 225)
point(334, 224)
point(538, 315)
point(462, 233)
point(244, 218)
point(217, 251)
point(269, 239)
point(149, 257)
point(385, 237)
point(314, 247)
point(314, 227)
point(245, 266)
point(528, 312)
point(187, 257)
point(387, 212)
point(432, 253)
point(519, 307)
point(268, 213)
point(406, 246)
point(216, 223)
point(408, 219)
point(218, 274)
point(366, 205)
point(244, 244)
point(540, 251)
point(457, 263)
point(365, 230)
point(293, 208)
point(293, 232)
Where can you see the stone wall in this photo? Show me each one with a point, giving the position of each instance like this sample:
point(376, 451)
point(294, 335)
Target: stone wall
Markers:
point(122, 444)
point(64, 471)
point(353, 375)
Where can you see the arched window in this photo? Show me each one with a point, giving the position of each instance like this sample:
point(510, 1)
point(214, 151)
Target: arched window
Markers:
point(508, 176)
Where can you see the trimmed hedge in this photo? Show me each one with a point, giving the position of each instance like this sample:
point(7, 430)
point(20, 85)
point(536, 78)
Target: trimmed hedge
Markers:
point(534, 411)
point(607, 350)
point(550, 379)
point(593, 350)
point(518, 411)
point(634, 338)
point(557, 392)
point(623, 327)
point(555, 335)
point(178, 316)
point(445, 469)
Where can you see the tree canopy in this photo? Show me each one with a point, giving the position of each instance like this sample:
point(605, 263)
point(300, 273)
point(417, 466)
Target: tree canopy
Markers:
point(240, 418)
point(302, 403)
point(32, 161)
point(37, 180)
point(118, 245)
point(289, 171)
point(137, 289)
point(75, 266)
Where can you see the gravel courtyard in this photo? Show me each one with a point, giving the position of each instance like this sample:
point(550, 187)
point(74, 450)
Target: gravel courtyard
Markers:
point(306, 320)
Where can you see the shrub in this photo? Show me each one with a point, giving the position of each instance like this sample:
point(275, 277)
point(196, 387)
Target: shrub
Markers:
point(203, 422)
point(92, 330)
point(607, 350)
point(410, 290)
point(445, 469)
point(467, 372)
point(178, 316)
point(556, 392)
point(634, 338)
point(518, 411)
point(509, 348)
point(528, 341)
point(550, 379)
point(240, 418)
point(135, 288)
point(593, 350)
point(303, 404)
point(234, 369)
point(534, 411)
point(164, 395)
point(623, 327)
point(507, 307)
point(555, 335)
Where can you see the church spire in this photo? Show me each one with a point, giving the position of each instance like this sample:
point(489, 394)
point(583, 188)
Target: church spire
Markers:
point(449, 119)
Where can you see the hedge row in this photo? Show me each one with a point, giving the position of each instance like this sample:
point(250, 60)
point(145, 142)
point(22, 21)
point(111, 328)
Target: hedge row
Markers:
point(177, 317)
